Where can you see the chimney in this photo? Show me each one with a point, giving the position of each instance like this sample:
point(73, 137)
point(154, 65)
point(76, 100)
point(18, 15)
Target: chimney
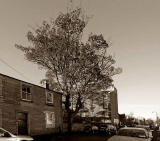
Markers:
point(47, 84)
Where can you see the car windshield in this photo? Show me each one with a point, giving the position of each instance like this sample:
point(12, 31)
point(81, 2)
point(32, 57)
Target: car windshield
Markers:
point(144, 127)
point(132, 133)
point(4, 133)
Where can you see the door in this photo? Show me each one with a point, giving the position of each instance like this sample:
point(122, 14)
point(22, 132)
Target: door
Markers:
point(22, 121)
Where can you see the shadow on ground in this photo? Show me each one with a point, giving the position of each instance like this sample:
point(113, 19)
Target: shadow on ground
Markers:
point(72, 137)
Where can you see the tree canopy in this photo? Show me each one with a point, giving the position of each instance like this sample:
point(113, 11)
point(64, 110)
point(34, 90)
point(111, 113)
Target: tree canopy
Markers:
point(73, 67)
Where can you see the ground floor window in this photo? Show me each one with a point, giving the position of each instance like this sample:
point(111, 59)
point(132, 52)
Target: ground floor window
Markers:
point(50, 119)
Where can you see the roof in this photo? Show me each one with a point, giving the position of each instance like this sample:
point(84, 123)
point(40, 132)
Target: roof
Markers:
point(28, 83)
point(21, 80)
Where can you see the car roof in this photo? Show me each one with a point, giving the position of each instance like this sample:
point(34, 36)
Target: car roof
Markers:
point(135, 128)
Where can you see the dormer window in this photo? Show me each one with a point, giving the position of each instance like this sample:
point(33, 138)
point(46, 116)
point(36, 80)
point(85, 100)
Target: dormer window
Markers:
point(49, 98)
point(26, 92)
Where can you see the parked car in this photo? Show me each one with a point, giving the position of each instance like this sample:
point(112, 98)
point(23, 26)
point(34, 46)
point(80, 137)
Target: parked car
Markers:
point(131, 134)
point(7, 136)
point(103, 129)
point(147, 128)
point(144, 126)
point(94, 129)
point(111, 129)
point(91, 129)
point(156, 135)
point(87, 129)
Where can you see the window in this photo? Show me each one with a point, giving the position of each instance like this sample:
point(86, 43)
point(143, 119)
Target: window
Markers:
point(26, 93)
point(106, 101)
point(50, 119)
point(49, 98)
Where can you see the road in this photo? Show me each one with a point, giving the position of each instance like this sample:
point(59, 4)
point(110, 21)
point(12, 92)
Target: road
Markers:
point(76, 137)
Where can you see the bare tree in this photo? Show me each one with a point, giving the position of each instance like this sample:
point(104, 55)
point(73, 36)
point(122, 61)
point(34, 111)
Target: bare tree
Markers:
point(74, 68)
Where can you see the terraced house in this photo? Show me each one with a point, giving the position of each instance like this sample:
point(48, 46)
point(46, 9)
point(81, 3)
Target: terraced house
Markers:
point(28, 109)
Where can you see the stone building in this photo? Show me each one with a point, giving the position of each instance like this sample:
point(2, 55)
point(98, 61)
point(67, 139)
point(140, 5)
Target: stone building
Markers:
point(108, 110)
point(114, 106)
point(105, 107)
point(28, 109)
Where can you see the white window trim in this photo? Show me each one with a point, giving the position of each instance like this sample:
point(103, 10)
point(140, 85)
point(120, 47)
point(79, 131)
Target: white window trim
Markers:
point(53, 119)
point(30, 92)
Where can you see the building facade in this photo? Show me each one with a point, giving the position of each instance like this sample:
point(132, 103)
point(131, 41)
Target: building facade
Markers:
point(114, 107)
point(28, 109)
point(105, 107)
point(108, 110)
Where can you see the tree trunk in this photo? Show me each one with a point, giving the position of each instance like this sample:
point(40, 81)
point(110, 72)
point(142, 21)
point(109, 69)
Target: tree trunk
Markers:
point(69, 122)
point(69, 113)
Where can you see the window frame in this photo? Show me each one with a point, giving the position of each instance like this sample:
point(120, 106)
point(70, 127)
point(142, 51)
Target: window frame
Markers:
point(53, 120)
point(26, 93)
point(52, 98)
point(106, 101)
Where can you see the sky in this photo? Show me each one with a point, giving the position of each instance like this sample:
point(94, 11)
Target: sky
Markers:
point(131, 26)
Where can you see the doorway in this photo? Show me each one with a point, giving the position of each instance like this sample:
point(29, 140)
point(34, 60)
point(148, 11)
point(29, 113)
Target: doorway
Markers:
point(22, 121)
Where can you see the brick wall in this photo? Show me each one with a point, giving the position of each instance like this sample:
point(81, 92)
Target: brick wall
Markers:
point(11, 103)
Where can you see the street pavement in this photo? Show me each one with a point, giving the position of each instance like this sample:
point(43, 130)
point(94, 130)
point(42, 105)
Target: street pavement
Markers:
point(73, 137)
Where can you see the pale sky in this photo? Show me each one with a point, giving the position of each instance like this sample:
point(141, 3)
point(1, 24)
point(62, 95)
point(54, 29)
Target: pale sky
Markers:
point(133, 27)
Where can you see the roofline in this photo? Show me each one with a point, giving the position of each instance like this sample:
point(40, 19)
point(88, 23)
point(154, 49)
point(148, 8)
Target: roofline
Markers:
point(28, 83)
